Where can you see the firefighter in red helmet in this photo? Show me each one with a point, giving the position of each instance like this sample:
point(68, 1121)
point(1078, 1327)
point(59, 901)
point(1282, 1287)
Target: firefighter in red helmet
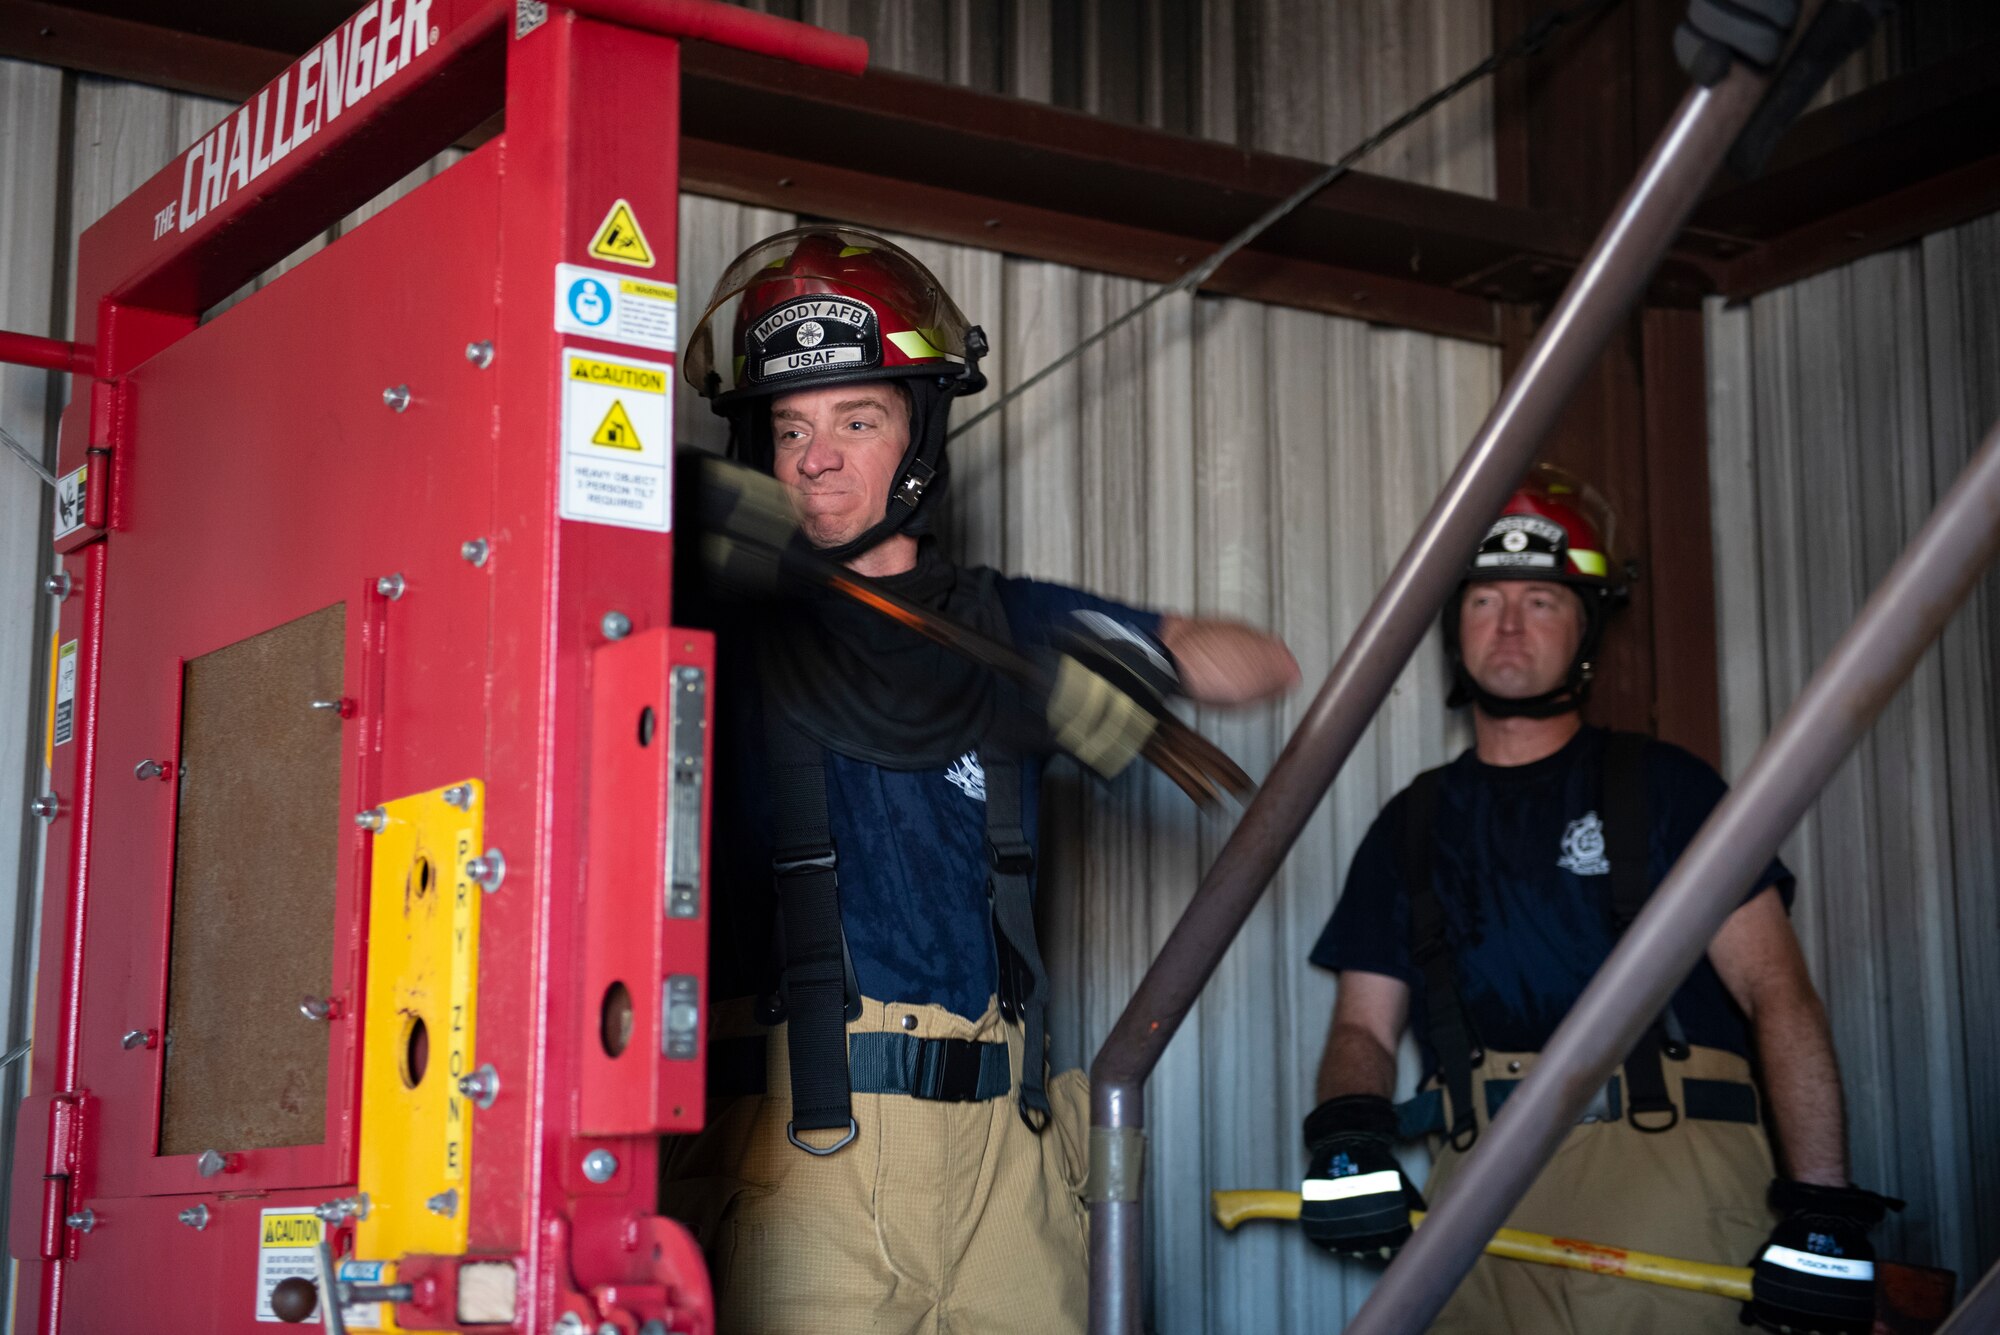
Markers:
point(886, 1149)
point(1477, 908)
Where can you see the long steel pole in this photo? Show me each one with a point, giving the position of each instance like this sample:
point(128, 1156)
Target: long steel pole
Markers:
point(1980, 1312)
point(1901, 618)
point(1604, 289)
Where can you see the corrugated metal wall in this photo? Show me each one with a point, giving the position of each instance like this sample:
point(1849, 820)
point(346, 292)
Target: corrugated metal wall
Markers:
point(29, 109)
point(1840, 409)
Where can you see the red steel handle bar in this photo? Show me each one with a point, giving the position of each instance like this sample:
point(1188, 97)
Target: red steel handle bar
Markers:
point(48, 354)
point(727, 25)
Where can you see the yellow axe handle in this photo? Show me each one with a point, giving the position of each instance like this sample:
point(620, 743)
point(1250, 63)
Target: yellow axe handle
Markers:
point(1726, 1281)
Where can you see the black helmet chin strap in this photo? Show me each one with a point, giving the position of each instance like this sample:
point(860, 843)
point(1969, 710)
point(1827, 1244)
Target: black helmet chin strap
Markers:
point(1562, 700)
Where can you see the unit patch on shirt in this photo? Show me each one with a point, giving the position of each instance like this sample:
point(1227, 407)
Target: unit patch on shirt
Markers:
point(969, 775)
point(1583, 847)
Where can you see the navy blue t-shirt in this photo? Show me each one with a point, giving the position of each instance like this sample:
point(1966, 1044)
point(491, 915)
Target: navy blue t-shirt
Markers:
point(911, 846)
point(1526, 892)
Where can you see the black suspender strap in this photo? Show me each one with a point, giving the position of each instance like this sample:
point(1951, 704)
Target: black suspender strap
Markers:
point(1449, 1027)
point(1023, 983)
point(1627, 833)
point(814, 980)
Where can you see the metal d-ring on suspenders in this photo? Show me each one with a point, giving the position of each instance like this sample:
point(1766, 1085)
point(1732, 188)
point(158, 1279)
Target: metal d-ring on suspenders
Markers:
point(816, 986)
point(1450, 1032)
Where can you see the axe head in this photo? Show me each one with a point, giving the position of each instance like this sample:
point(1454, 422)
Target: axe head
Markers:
point(1912, 1299)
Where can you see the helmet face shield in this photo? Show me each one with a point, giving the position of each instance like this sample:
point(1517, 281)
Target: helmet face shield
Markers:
point(822, 305)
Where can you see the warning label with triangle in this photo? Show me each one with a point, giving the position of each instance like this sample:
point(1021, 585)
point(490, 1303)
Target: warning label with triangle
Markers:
point(616, 430)
point(617, 437)
point(620, 240)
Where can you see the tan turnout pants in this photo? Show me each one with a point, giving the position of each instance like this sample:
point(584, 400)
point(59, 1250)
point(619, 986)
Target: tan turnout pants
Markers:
point(1695, 1192)
point(939, 1217)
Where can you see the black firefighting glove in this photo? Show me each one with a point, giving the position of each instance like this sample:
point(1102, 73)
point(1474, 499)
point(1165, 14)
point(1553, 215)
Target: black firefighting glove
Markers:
point(1110, 691)
point(1355, 1200)
point(1715, 31)
point(1817, 1273)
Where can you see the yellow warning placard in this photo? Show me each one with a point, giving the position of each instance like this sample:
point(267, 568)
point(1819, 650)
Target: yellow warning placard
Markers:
point(616, 429)
point(616, 441)
point(620, 240)
point(286, 1243)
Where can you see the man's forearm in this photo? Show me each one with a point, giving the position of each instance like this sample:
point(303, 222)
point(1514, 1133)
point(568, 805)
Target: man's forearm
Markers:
point(1355, 1063)
point(1802, 1087)
point(1227, 662)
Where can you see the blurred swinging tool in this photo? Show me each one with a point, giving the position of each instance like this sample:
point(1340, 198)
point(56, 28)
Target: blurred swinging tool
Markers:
point(1100, 710)
point(1910, 1299)
point(1231, 1208)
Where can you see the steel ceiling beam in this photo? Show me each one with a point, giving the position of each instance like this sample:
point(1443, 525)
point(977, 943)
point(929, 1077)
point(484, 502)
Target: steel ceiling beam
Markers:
point(925, 158)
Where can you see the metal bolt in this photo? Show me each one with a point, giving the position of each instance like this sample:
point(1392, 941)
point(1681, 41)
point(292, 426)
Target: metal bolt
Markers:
point(607, 1328)
point(480, 354)
point(487, 871)
point(82, 1220)
point(600, 1165)
point(345, 1207)
point(195, 1217)
point(48, 806)
point(1513, 1066)
point(396, 398)
point(316, 1008)
point(475, 550)
point(391, 586)
point(210, 1163)
point(340, 706)
point(482, 1086)
point(57, 585)
point(444, 1203)
point(616, 625)
point(136, 1038)
point(909, 1022)
point(655, 1327)
point(149, 769)
point(569, 1323)
point(374, 820)
point(460, 795)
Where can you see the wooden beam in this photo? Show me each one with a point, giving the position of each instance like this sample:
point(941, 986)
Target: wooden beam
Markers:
point(1017, 176)
point(1022, 177)
point(1873, 145)
point(1687, 701)
point(1866, 229)
point(141, 52)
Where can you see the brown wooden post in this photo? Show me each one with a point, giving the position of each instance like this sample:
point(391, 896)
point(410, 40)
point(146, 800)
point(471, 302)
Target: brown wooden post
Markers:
point(1569, 125)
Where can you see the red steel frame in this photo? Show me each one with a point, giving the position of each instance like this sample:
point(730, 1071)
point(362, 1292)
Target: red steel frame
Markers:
point(245, 472)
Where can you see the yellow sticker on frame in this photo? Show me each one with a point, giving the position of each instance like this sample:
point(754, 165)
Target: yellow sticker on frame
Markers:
point(621, 240)
point(418, 1023)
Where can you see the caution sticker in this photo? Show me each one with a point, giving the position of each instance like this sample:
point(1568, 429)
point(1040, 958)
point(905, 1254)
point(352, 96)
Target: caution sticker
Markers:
point(69, 501)
point(62, 726)
point(286, 1241)
point(600, 304)
point(620, 240)
point(616, 451)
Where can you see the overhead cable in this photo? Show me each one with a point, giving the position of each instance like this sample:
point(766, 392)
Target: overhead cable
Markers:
point(1531, 38)
point(27, 458)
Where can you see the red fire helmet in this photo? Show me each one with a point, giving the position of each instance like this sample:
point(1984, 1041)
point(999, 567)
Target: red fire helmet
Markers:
point(823, 305)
